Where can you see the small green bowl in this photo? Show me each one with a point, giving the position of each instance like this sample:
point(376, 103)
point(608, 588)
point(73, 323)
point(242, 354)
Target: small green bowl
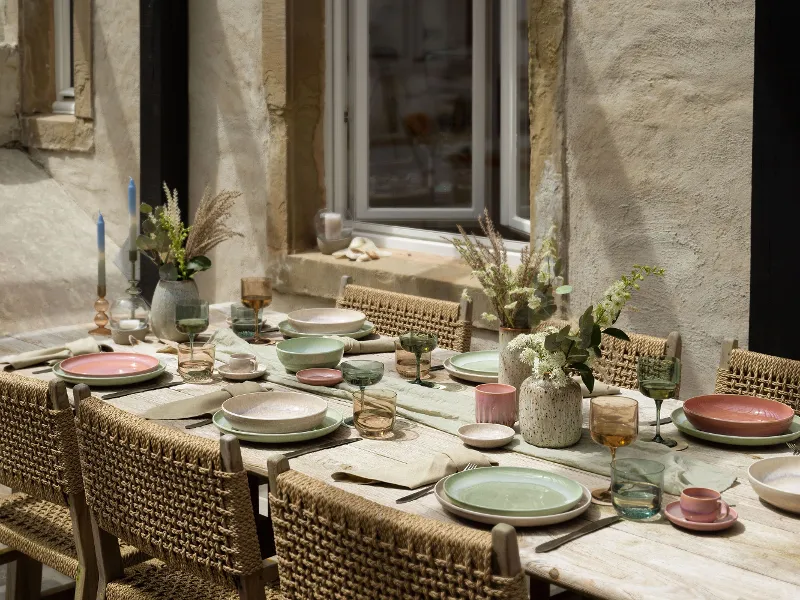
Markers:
point(309, 352)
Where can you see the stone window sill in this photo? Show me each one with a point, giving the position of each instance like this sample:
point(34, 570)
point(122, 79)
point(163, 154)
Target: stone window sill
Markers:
point(58, 132)
point(318, 275)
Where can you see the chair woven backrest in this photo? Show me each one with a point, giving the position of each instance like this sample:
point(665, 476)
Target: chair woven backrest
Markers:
point(393, 313)
point(332, 544)
point(617, 365)
point(753, 374)
point(38, 446)
point(166, 493)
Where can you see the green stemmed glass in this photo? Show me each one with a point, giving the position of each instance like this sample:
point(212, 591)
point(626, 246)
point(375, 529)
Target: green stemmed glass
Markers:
point(191, 318)
point(418, 343)
point(362, 373)
point(658, 379)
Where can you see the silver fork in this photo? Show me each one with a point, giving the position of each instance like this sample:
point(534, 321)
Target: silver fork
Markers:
point(428, 488)
point(794, 447)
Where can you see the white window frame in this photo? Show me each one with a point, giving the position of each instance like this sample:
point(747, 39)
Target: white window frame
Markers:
point(346, 113)
point(65, 92)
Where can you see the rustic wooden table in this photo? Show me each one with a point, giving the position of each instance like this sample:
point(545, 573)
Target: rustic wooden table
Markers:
point(757, 558)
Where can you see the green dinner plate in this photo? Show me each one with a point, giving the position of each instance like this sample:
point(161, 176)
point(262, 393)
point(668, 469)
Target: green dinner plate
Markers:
point(109, 381)
point(288, 331)
point(330, 423)
point(513, 491)
point(683, 425)
point(486, 362)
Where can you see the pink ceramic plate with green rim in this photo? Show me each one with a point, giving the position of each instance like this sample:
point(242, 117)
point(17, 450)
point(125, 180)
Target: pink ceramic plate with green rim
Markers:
point(109, 364)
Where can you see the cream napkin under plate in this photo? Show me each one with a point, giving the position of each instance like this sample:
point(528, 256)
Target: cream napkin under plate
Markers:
point(600, 389)
point(414, 475)
point(87, 345)
point(205, 404)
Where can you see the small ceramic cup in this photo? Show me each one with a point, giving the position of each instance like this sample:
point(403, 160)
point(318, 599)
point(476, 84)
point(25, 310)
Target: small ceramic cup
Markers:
point(702, 505)
point(496, 403)
point(242, 362)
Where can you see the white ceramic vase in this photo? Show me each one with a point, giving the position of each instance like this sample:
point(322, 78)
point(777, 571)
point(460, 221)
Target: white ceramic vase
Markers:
point(512, 370)
point(167, 296)
point(550, 416)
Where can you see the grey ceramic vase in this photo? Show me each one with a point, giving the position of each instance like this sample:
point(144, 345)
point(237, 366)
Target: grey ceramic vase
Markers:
point(550, 416)
point(512, 371)
point(167, 296)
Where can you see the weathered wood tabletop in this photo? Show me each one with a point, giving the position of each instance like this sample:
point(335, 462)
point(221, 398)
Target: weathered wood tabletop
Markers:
point(757, 558)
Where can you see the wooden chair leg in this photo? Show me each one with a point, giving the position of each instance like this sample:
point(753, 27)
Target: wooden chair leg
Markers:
point(24, 579)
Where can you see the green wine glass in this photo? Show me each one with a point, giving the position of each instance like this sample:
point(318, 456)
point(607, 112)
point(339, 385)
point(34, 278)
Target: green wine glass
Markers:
point(191, 318)
point(418, 343)
point(658, 379)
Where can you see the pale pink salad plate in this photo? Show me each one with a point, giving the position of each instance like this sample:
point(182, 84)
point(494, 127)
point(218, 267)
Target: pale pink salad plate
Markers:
point(319, 376)
point(109, 364)
point(674, 513)
point(745, 416)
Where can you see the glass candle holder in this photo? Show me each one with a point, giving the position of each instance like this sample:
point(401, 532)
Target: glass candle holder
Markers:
point(405, 363)
point(129, 316)
point(374, 413)
point(196, 365)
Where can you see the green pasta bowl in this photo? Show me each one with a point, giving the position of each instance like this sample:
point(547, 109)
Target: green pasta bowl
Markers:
point(309, 353)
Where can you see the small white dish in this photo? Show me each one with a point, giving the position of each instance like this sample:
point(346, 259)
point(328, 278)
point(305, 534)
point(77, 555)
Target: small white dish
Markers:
point(776, 480)
point(485, 435)
point(239, 376)
point(275, 412)
point(326, 321)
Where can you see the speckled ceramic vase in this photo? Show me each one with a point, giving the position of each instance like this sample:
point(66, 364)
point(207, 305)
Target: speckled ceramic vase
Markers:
point(550, 416)
point(512, 370)
point(167, 296)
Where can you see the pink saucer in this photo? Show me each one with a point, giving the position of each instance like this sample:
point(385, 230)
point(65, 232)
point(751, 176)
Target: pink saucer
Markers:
point(673, 513)
point(319, 376)
point(109, 364)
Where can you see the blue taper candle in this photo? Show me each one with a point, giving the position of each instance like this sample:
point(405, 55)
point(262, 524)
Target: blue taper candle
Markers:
point(101, 251)
point(134, 219)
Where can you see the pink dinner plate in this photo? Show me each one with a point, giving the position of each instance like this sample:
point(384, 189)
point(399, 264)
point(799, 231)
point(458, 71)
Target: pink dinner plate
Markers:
point(319, 376)
point(745, 416)
point(109, 364)
point(674, 513)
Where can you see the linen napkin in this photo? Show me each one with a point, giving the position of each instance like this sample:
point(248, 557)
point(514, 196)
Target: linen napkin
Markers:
point(205, 404)
point(417, 474)
point(600, 389)
point(352, 346)
point(87, 345)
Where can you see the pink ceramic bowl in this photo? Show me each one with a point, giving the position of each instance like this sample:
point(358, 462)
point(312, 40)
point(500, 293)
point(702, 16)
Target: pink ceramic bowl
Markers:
point(744, 416)
point(324, 377)
point(496, 403)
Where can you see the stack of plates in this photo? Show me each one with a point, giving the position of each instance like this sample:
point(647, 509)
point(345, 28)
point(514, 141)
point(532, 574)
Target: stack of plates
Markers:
point(326, 321)
point(685, 426)
point(109, 368)
point(480, 367)
point(517, 496)
point(277, 417)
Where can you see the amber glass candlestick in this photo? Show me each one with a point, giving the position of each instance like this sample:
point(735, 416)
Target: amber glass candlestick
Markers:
point(101, 318)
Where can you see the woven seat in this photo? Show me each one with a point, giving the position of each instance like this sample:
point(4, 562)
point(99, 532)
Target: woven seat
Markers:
point(332, 544)
point(393, 314)
point(182, 499)
point(747, 373)
point(43, 531)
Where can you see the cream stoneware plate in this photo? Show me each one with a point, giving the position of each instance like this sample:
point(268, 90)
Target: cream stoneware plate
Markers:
point(326, 321)
point(485, 435)
point(289, 332)
point(486, 362)
point(275, 412)
point(239, 376)
point(109, 381)
point(776, 480)
point(491, 519)
point(109, 364)
point(466, 376)
point(512, 491)
point(683, 425)
point(331, 422)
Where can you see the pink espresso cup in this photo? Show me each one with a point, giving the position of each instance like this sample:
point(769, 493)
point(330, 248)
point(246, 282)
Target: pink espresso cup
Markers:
point(702, 505)
point(496, 403)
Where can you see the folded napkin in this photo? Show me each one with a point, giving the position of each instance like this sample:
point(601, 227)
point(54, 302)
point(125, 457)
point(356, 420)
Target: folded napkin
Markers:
point(352, 346)
point(86, 345)
point(417, 474)
point(600, 389)
point(206, 404)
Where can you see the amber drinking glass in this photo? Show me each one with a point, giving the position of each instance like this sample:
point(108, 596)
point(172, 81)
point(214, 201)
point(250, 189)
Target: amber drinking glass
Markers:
point(613, 422)
point(196, 364)
point(374, 412)
point(257, 294)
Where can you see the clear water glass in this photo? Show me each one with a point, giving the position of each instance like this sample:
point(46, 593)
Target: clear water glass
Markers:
point(637, 487)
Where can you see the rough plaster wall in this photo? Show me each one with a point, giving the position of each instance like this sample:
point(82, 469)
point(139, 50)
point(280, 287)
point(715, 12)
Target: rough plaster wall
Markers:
point(98, 180)
point(229, 133)
point(9, 72)
point(658, 114)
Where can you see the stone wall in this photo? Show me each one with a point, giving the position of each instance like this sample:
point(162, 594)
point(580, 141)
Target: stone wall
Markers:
point(658, 138)
point(9, 72)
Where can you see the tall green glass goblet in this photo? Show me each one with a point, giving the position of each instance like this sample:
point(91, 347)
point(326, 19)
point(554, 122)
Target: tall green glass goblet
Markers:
point(658, 379)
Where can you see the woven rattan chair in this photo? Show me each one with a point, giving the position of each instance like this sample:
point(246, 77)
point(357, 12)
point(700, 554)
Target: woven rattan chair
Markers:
point(45, 521)
point(333, 544)
point(394, 313)
point(747, 373)
point(182, 499)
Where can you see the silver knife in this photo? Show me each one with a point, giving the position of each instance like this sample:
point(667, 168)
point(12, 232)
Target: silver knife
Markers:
point(594, 526)
point(161, 386)
point(418, 494)
point(326, 446)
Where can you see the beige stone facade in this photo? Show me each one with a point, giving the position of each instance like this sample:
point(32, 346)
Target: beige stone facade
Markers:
point(640, 136)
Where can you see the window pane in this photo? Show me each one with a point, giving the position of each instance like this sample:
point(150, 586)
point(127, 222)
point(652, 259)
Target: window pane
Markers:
point(523, 120)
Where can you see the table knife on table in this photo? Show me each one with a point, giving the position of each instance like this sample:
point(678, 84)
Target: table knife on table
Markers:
point(161, 386)
point(325, 446)
point(589, 528)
